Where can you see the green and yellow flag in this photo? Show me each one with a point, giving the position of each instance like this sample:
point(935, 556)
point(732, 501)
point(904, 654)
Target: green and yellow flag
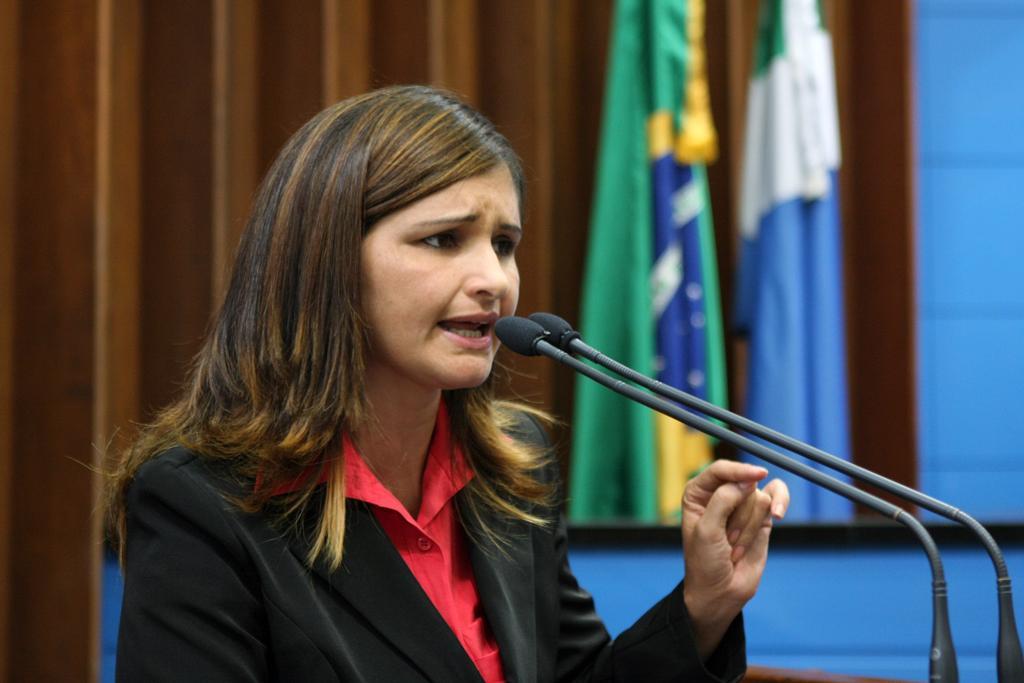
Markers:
point(651, 285)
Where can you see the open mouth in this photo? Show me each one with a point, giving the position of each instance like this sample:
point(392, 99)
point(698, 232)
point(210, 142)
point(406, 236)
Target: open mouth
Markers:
point(466, 329)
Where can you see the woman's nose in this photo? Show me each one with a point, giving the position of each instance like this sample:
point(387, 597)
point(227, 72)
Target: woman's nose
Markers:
point(487, 275)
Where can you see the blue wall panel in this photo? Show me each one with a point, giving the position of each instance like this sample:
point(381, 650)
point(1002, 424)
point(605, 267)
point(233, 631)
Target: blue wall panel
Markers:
point(970, 91)
point(971, 254)
point(975, 371)
point(964, 49)
point(988, 496)
point(955, 7)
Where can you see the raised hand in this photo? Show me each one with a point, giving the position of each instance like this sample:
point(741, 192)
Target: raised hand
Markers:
point(726, 524)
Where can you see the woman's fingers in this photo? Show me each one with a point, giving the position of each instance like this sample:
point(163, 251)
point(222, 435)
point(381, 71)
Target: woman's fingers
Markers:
point(729, 503)
point(755, 514)
point(779, 493)
point(700, 489)
point(752, 521)
point(778, 503)
point(723, 503)
point(723, 471)
point(749, 519)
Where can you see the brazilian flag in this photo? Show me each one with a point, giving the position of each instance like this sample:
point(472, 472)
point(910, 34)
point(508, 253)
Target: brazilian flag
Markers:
point(650, 296)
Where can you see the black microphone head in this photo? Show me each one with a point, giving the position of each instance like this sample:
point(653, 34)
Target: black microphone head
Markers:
point(519, 334)
point(560, 332)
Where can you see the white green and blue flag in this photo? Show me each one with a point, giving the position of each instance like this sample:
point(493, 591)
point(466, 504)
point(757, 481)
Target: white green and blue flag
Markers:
point(789, 291)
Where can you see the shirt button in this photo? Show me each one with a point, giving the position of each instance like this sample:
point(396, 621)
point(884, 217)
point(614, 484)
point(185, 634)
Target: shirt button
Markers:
point(424, 543)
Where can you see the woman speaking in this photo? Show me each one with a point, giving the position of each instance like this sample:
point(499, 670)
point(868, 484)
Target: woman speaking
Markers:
point(338, 496)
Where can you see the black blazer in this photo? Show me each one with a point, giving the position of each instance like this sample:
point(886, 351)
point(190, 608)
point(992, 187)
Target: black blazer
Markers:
point(215, 594)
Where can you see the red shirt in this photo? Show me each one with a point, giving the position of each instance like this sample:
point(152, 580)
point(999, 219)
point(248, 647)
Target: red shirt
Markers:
point(433, 544)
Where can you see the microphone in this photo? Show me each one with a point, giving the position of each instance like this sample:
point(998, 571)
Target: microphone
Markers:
point(1009, 659)
point(528, 338)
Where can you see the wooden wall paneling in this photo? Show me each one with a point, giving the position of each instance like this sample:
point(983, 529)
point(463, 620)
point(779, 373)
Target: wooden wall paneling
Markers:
point(880, 247)
point(582, 38)
point(117, 207)
point(117, 254)
point(452, 47)
point(399, 48)
point(581, 32)
point(724, 51)
point(346, 49)
point(837, 14)
point(176, 180)
point(290, 74)
point(8, 116)
point(235, 170)
point(569, 208)
point(53, 585)
point(515, 42)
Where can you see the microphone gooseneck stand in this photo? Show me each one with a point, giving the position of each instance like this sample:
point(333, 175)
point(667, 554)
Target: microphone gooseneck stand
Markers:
point(1009, 658)
point(526, 337)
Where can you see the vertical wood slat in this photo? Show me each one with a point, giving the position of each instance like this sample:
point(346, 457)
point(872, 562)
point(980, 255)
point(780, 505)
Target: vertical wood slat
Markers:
point(346, 49)
point(569, 208)
point(116, 257)
point(290, 72)
point(542, 139)
point(9, 45)
point(581, 32)
point(880, 249)
point(234, 130)
point(399, 23)
point(53, 583)
point(176, 180)
point(117, 254)
point(837, 15)
point(452, 48)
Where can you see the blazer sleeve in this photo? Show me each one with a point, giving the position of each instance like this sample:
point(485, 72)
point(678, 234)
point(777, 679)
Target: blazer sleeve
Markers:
point(191, 610)
point(660, 646)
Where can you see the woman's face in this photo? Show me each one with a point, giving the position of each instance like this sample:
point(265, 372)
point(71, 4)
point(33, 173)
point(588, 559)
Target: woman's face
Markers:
point(436, 276)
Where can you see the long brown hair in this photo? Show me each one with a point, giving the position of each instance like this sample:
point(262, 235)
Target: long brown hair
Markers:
point(280, 374)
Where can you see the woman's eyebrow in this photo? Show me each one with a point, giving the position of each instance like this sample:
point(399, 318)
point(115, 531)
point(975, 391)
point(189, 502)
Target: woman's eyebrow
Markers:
point(450, 220)
point(467, 218)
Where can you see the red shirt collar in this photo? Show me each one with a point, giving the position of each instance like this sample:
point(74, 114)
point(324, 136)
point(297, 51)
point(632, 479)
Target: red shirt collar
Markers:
point(445, 473)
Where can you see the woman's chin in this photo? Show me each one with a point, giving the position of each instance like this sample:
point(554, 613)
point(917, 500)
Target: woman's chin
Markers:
point(469, 378)
point(464, 383)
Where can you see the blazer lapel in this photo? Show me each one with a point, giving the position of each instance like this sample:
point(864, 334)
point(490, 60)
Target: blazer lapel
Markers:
point(504, 577)
point(375, 580)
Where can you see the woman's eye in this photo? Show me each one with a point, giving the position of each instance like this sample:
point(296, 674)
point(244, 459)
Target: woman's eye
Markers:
point(505, 246)
point(443, 240)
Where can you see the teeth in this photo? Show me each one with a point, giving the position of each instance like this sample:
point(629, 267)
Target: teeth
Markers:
point(466, 333)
